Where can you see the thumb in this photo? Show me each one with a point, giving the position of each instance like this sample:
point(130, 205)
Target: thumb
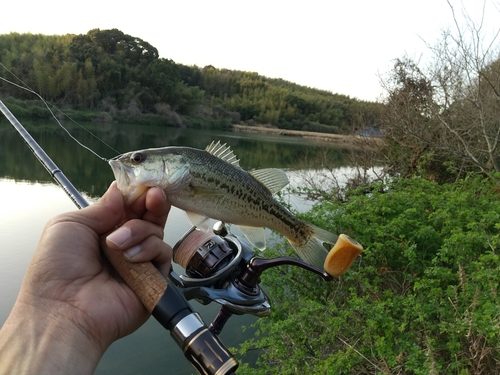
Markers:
point(106, 213)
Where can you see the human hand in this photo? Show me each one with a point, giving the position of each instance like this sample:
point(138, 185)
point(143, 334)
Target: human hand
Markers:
point(71, 307)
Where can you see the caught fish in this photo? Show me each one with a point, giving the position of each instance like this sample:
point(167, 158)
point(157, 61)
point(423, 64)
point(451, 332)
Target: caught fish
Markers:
point(211, 184)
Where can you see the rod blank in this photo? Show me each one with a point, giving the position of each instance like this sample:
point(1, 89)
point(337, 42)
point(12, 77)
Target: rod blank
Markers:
point(45, 160)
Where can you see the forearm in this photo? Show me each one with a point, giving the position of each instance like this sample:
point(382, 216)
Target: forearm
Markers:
point(32, 343)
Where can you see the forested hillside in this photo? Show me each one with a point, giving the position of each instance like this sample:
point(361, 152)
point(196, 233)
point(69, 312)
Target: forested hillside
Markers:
point(122, 76)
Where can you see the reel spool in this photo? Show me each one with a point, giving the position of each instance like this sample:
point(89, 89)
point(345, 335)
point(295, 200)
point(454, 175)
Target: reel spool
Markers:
point(207, 257)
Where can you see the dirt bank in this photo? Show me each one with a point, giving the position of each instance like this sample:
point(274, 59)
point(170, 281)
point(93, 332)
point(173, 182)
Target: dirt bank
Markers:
point(355, 141)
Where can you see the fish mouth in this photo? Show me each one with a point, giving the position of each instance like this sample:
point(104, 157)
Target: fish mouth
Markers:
point(126, 182)
point(122, 174)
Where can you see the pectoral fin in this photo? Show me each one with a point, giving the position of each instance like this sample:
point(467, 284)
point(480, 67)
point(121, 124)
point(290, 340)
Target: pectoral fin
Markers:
point(199, 221)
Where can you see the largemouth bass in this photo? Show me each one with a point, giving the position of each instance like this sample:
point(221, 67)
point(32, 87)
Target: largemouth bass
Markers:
point(211, 184)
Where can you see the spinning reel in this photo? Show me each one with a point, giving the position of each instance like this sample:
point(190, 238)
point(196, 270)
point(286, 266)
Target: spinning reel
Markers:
point(222, 268)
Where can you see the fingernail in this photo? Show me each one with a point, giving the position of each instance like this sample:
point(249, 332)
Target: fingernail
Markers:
point(132, 252)
point(119, 236)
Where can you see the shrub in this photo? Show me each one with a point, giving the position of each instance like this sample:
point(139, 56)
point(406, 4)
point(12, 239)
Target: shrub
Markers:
point(422, 299)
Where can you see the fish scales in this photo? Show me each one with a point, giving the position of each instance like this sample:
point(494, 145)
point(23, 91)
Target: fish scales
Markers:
point(210, 183)
point(242, 200)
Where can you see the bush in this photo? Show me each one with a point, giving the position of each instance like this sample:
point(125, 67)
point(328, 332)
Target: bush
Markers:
point(20, 109)
point(422, 299)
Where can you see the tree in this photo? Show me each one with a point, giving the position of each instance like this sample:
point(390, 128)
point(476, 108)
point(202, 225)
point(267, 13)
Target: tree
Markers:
point(161, 76)
point(407, 119)
point(444, 118)
point(120, 73)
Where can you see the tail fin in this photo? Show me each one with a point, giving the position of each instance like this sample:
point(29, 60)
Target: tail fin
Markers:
point(313, 251)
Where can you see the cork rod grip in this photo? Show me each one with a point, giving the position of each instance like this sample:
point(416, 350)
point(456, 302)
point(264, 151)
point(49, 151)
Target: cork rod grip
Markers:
point(143, 278)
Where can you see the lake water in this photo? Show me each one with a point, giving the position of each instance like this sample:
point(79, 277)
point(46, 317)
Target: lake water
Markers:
point(29, 198)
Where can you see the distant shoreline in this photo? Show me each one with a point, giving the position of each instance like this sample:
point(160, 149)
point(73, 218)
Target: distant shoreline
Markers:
point(348, 141)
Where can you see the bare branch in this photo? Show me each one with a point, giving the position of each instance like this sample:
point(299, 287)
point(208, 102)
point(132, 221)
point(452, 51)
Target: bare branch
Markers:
point(448, 113)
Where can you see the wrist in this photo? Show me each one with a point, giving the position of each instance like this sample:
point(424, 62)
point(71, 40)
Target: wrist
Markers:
point(41, 342)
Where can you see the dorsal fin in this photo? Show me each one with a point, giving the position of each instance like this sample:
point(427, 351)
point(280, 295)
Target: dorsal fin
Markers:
point(223, 152)
point(272, 178)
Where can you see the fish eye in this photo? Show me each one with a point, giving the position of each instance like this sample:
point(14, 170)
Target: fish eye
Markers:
point(137, 157)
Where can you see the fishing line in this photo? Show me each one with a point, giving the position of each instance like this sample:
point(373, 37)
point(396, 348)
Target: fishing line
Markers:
point(29, 89)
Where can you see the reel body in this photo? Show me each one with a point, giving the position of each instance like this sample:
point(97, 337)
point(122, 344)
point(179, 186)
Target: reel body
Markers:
point(222, 268)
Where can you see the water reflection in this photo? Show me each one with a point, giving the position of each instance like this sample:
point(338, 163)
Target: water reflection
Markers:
point(92, 175)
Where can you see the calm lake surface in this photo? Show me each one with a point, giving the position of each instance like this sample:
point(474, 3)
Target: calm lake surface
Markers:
point(29, 198)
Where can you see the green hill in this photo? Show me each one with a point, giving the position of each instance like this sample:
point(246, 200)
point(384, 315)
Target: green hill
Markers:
point(115, 76)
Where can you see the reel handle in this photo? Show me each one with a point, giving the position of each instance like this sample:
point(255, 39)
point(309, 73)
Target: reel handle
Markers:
point(341, 256)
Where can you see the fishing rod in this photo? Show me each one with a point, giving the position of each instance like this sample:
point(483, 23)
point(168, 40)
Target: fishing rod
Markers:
point(200, 345)
point(219, 267)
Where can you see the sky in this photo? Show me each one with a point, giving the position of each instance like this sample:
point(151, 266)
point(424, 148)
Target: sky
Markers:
point(335, 45)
